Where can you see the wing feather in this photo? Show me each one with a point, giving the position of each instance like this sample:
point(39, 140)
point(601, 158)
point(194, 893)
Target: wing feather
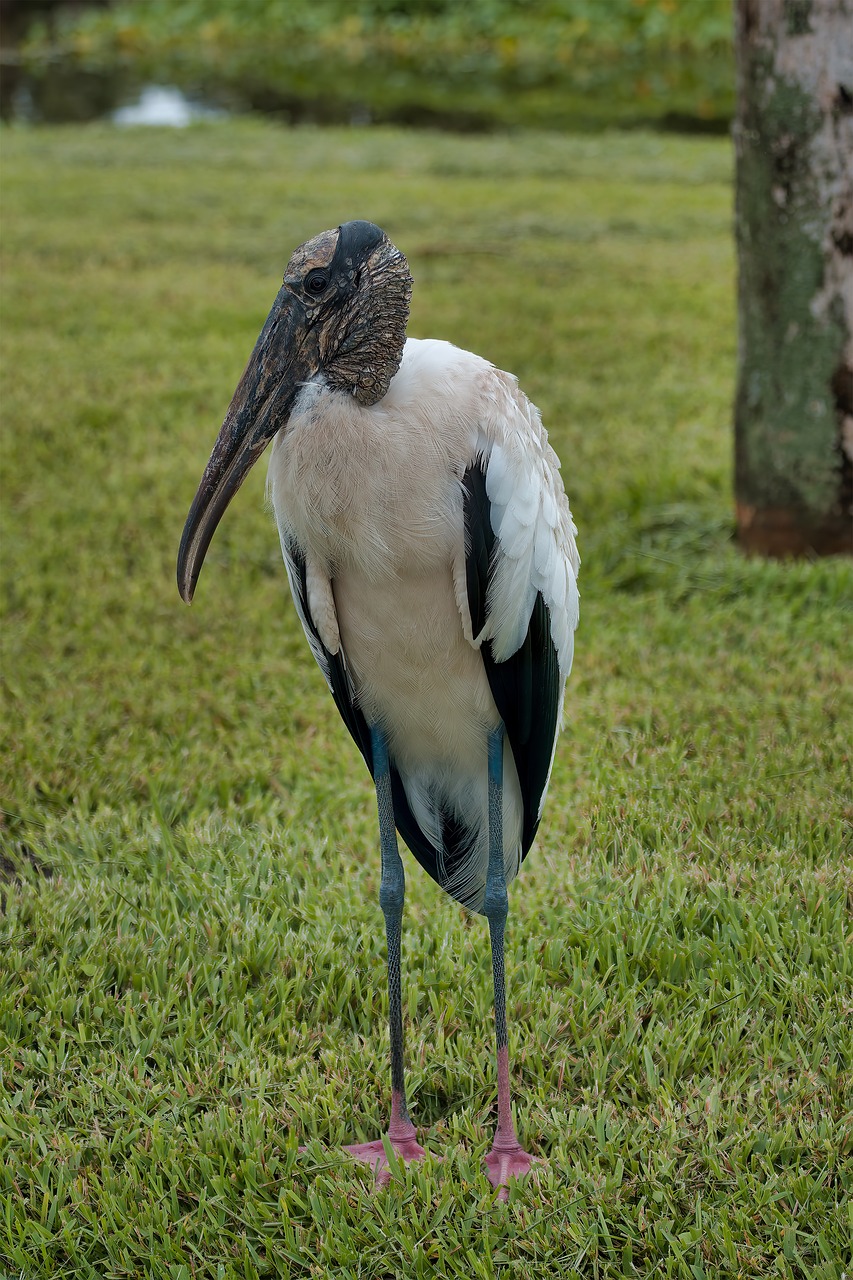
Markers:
point(526, 686)
point(521, 559)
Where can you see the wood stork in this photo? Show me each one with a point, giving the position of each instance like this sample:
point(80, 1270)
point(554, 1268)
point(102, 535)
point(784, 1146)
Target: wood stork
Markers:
point(432, 561)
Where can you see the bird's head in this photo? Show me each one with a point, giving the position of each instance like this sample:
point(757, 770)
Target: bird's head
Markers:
point(355, 288)
point(340, 316)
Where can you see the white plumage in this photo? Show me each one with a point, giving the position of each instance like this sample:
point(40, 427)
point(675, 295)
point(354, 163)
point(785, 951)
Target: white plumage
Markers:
point(373, 497)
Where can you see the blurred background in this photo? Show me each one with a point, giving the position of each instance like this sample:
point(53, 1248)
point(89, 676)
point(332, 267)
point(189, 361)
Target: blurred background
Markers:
point(472, 66)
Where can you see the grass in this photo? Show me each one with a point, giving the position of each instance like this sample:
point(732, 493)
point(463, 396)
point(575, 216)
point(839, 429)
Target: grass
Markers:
point(191, 945)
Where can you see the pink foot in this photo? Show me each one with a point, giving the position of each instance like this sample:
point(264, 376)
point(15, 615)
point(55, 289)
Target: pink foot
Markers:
point(373, 1153)
point(508, 1160)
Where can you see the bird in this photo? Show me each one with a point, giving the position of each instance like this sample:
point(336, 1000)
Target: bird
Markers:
point(432, 559)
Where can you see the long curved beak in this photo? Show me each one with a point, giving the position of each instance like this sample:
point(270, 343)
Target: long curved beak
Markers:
point(285, 357)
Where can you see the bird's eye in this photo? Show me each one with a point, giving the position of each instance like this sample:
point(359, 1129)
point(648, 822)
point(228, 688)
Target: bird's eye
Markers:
point(316, 282)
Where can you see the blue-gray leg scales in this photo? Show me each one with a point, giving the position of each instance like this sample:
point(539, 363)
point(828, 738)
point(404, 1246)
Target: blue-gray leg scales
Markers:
point(507, 1158)
point(392, 890)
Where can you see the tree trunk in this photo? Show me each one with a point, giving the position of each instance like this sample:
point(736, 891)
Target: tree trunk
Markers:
point(794, 225)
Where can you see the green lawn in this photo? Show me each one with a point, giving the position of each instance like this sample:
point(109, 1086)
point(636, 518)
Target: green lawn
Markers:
point(191, 947)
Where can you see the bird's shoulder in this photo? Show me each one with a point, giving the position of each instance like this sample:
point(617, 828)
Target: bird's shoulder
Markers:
point(440, 379)
point(497, 430)
point(526, 506)
point(445, 378)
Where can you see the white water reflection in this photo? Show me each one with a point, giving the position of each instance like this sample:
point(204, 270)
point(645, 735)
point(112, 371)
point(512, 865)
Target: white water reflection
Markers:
point(163, 105)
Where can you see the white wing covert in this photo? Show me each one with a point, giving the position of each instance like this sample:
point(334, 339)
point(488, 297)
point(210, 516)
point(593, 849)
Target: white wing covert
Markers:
point(533, 527)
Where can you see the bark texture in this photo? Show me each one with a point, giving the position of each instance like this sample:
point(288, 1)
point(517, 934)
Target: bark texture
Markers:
point(794, 224)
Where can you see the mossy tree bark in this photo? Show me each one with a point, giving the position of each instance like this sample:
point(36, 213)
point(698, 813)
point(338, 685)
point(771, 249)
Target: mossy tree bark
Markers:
point(794, 223)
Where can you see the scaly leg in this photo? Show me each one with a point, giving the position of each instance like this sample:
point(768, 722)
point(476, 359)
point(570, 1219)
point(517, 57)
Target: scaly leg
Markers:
point(392, 889)
point(507, 1158)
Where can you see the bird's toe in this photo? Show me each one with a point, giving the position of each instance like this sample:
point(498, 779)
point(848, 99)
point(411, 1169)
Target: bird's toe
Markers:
point(375, 1154)
point(501, 1165)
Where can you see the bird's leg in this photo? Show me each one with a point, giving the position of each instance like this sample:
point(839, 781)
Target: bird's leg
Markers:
point(401, 1131)
point(507, 1158)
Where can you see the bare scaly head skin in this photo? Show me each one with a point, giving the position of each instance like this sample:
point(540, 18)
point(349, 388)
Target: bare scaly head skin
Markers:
point(317, 252)
point(359, 303)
